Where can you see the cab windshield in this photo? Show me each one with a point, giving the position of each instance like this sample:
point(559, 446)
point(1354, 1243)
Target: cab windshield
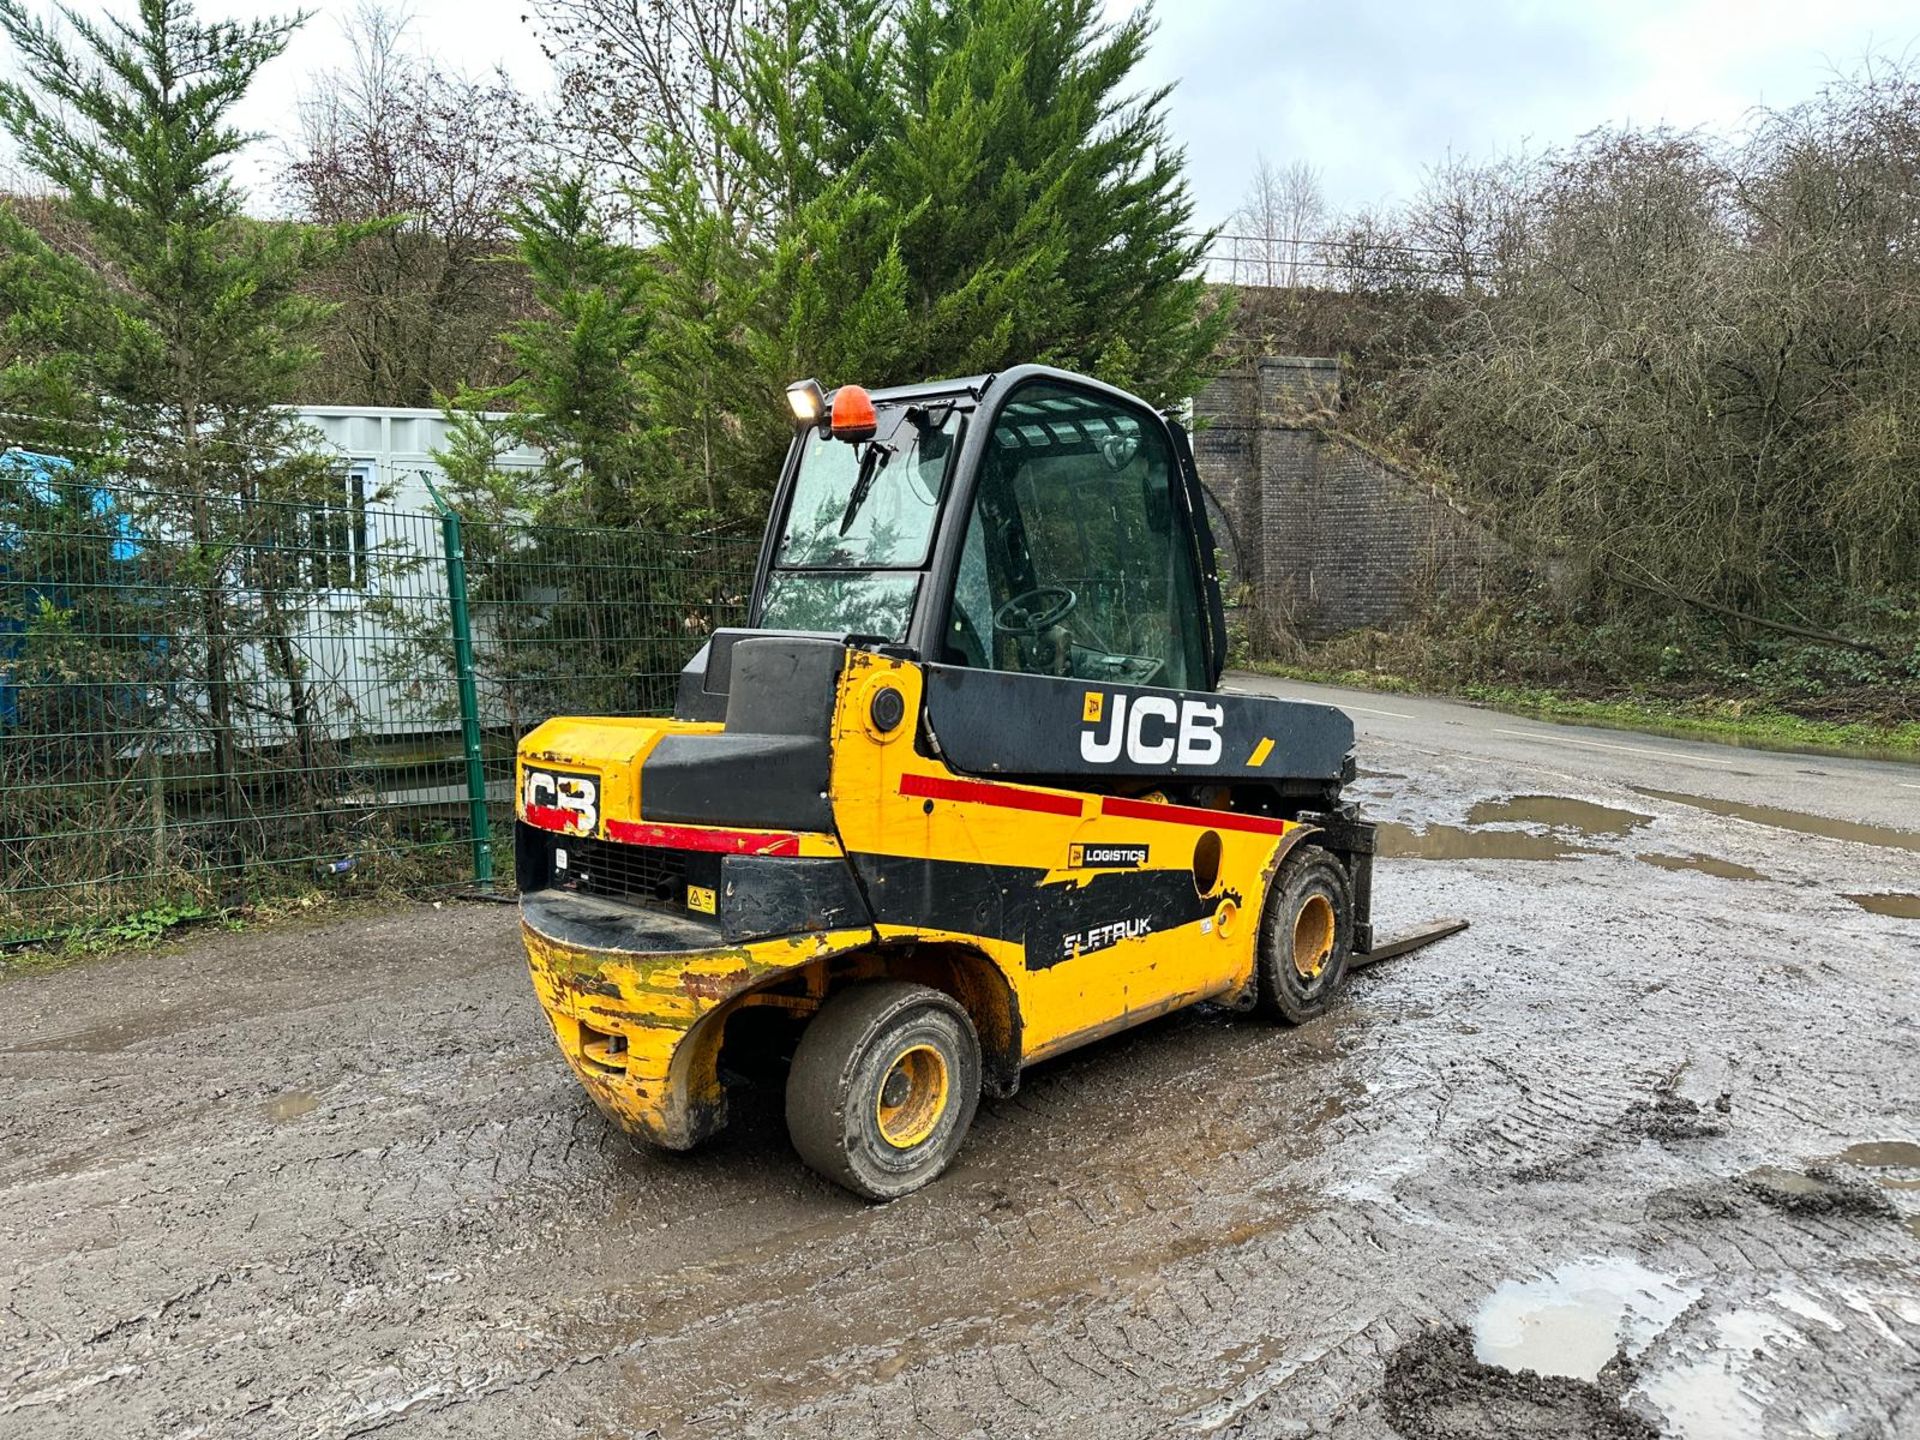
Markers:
point(859, 526)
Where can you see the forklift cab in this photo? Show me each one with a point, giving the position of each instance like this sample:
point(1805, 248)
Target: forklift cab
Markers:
point(1034, 522)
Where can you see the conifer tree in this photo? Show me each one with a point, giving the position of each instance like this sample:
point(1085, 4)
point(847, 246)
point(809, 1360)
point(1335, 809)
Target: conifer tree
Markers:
point(579, 396)
point(917, 188)
point(962, 185)
point(178, 332)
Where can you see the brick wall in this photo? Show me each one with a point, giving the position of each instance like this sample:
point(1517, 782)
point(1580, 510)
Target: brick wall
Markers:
point(1324, 535)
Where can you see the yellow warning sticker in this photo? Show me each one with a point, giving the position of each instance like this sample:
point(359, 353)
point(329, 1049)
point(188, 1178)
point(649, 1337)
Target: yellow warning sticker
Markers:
point(1095, 702)
point(700, 898)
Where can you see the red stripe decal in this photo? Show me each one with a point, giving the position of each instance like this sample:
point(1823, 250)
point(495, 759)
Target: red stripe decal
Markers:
point(549, 817)
point(1191, 815)
point(982, 792)
point(700, 837)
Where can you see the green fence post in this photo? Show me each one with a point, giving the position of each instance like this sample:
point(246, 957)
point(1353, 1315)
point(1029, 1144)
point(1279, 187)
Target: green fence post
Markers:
point(469, 692)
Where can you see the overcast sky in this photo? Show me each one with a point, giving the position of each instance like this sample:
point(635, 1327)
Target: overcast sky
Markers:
point(1366, 91)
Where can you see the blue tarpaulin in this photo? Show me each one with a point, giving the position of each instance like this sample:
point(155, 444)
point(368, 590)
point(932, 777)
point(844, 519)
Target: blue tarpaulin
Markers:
point(33, 479)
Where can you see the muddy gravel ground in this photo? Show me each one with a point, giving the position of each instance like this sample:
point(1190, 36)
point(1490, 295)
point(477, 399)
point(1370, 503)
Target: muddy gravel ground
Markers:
point(1635, 1155)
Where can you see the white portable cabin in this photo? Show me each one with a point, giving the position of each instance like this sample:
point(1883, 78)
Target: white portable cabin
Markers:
point(390, 451)
point(385, 462)
point(374, 548)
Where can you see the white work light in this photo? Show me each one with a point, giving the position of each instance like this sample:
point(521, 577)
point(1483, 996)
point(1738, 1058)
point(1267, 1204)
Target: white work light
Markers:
point(809, 402)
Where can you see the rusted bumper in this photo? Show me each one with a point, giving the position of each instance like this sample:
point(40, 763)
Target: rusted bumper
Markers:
point(641, 1028)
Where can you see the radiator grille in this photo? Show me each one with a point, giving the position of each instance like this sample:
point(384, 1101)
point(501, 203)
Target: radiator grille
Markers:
point(625, 872)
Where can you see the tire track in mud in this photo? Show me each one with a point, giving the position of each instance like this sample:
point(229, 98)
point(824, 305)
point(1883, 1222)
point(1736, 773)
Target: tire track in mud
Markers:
point(1206, 1227)
point(1626, 1111)
point(1071, 1214)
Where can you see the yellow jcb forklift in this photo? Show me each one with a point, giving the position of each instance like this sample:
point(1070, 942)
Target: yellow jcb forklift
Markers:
point(965, 793)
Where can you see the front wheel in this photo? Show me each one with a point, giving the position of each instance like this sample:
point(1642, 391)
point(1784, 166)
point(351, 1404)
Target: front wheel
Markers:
point(883, 1087)
point(1306, 936)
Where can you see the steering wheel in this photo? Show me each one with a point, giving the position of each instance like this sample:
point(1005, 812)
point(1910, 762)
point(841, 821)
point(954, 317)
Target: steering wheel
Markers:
point(1033, 611)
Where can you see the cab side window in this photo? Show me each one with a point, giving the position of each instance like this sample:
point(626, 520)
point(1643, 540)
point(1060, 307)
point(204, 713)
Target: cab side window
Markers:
point(1077, 559)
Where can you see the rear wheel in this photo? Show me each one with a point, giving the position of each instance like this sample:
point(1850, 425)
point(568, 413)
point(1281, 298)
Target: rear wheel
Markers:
point(1306, 936)
point(883, 1087)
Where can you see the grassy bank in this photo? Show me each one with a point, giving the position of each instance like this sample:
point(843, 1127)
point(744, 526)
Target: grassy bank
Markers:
point(162, 927)
point(1738, 720)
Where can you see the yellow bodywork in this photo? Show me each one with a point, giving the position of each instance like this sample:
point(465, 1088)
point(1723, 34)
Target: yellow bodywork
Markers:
point(642, 1030)
point(660, 1080)
point(1066, 1004)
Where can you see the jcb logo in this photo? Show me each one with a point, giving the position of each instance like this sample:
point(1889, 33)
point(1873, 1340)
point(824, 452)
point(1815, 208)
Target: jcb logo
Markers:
point(1150, 730)
point(554, 800)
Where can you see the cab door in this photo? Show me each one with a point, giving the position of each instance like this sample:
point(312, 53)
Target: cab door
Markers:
point(1077, 564)
point(1077, 560)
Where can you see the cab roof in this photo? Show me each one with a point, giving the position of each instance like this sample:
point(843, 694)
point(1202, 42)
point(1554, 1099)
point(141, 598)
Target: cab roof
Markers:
point(976, 386)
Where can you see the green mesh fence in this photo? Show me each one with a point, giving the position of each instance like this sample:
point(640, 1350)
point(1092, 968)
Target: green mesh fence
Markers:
point(207, 704)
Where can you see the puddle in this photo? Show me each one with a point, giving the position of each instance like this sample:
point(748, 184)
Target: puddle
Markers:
point(1901, 907)
point(1807, 1308)
point(1452, 842)
point(1780, 1181)
point(1561, 812)
point(1489, 833)
point(291, 1106)
point(1434, 1386)
point(1791, 820)
point(1883, 1155)
point(1708, 1397)
point(1709, 1379)
point(1572, 1321)
point(1705, 864)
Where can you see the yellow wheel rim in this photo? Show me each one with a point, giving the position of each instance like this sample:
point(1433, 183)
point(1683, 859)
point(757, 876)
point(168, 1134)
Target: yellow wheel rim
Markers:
point(1313, 936)
point(913, 1097)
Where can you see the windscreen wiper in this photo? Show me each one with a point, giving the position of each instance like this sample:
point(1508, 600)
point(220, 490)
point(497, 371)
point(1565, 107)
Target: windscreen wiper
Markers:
point(871, 464)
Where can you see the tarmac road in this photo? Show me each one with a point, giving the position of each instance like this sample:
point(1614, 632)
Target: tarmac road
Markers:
point(1875, 792)
point(333, 1180)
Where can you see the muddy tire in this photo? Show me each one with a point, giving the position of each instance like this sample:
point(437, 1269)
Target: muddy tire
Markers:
point(1306, 936)
point(883, 1087)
